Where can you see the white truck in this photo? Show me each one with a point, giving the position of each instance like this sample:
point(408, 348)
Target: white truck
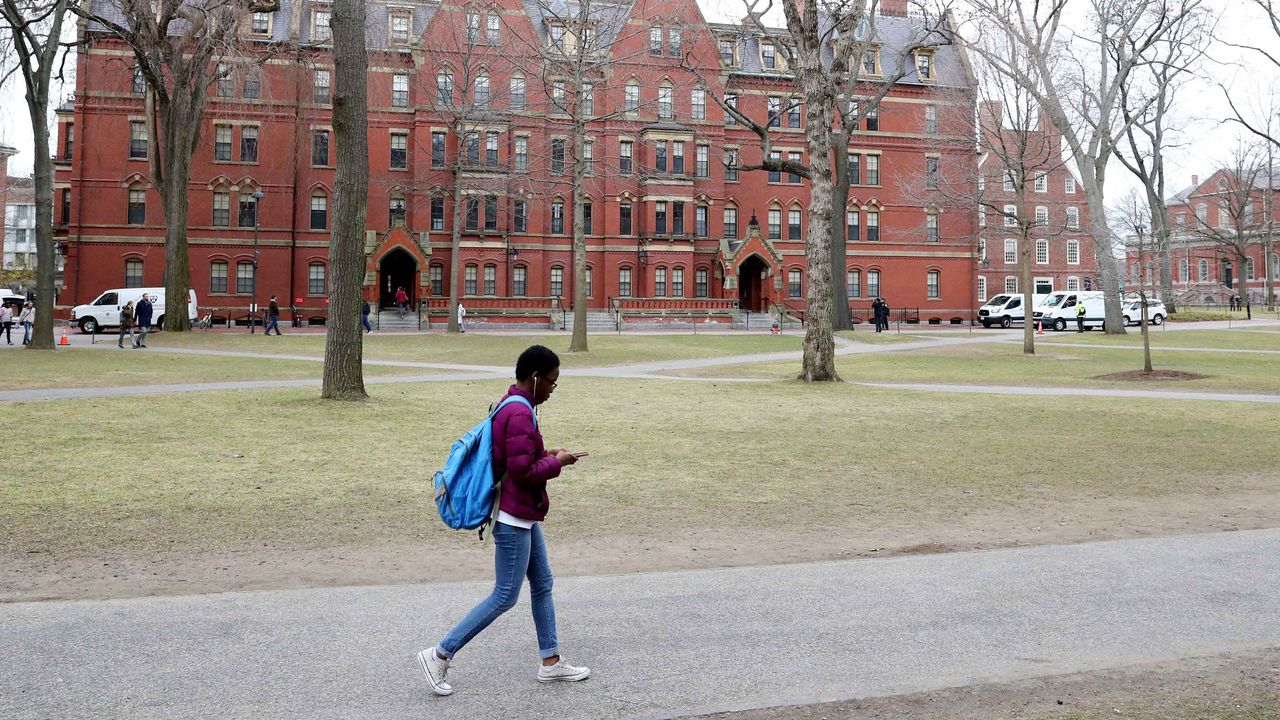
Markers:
point(1058, 311)
point(1005, 310)
point(104, 310)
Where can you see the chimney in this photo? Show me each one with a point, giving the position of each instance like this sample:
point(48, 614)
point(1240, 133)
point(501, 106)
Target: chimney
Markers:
point(1195, 179)
point(893, 8)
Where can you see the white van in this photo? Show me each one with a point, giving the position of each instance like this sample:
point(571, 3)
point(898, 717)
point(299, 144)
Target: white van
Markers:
point(1005, 310)
point(104, 311)
point(1059, 313)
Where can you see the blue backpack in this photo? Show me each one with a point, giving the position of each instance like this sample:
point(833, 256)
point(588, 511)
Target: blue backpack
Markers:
point(466, 491)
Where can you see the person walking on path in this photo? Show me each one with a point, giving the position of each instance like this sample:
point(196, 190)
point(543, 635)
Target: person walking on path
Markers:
point(462, 315)
point(1080, 311)
point(27, 318)
point(142, 314)
point(6, 322)
point(519, 548)
point(402, 301)
point(364, 317)
point(126, 326)
point(273, 317)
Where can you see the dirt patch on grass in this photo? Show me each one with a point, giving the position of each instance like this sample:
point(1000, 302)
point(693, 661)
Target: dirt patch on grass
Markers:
point(1242, 686)
point(1154, 375)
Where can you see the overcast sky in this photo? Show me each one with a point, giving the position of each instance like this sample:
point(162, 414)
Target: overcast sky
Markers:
point(1206, 142)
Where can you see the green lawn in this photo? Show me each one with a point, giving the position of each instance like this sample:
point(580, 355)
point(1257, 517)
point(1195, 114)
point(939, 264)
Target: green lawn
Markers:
point(1004, 364)
point(1234, 338)
point(769, 456)
point(502, 350)
point(84, 367)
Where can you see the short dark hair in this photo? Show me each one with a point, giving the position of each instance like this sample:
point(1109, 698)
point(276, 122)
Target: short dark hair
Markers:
point(537, 359)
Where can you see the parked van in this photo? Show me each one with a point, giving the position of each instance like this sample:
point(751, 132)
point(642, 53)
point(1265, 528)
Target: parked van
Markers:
point(1059, 313)
point(1005, 310)
point(104, 311)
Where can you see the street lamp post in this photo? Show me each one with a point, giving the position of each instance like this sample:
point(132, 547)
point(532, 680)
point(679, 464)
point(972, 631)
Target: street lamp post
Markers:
point(257, 207)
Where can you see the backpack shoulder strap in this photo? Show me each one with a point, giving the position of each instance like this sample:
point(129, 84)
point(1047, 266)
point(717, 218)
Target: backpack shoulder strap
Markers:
point(497, 486)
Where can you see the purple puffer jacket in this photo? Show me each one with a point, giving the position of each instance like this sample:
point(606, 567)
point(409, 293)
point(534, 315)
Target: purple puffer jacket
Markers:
point(517, 447)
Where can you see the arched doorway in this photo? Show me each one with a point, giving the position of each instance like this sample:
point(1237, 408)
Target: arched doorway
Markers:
point(751, 284)
point(397, 269)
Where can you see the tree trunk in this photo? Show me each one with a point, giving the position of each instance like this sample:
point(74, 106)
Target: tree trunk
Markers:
point(579, 341)
point(343, 348)
point(1026, 245)
point(1241, 284)
point(1108, 268)
point(819, 363)
point(175, 140)
point(840, 317)
point(38, 108)
point(455, 245)
point(1146, 337)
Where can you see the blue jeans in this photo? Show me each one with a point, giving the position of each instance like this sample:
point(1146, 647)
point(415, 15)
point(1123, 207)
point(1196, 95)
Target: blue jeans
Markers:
point(365, 319)
point(517, 553)
point(273, 323)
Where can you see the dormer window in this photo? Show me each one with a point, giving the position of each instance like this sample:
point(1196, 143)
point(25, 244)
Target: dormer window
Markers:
point(924, 66)
point(726, 52)
point(768, 56)
point(400, 22)
point(557, 38)
point(871, 62)
point(261, 23)
point(320, 31)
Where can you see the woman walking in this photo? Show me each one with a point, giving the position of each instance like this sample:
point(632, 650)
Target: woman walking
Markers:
point(27, 318)
point(519, 548)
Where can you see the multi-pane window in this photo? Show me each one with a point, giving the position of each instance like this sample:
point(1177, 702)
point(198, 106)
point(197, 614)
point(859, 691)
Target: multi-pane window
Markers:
point(982, 217)
point(624, 157)
point(924, 65)
point(222, 142)
point(854, 169)
point(768, 55)
point(557, 38)
point(137, 206)
point(1184, 270)
point(260, 23)
point(677, 157)
point(853, 226)
point(320, 30)
point(218, 276)
point(1008, 181)
point(399, 28)
point(473, 28)
point(248, 211)
point(793, 224)
point(253, 83)
point(873, 169)
point(660, 282)
point(873, 283)
point(520, 281)
point(396, 211)
point(516, 93)
point(491, 148)
point(399, 151)
point(316, 284)
point(1010, 251)
point(775, 175)
point(557, 282)
point(631, 98)
point(624, 282)
point(1042, 216)
point(133, 273)
point(469, 277)
point(481, 92)
point(589, 156)
point(1071, 184)
point(1011, 216)
point(1041, 182)
point(873, 226)
point(319, 211)
point(982, 288)
point(557, 218)
point(137, 139)
point(700, 221)
point(665, 111)
point(931, 228)
point(731, 101)
point(775, 112)
point(700, 282)
point(624, 218)
point(673, 37)
point(471, 215)
point(490, 212)
point(493, 29)
point(1073, 253)
point(437, 149)
point(931, 173)
point(1073, 283)
point(726, 51)
point(557, 156)
point(795, 285)
point(471, 143)
point(520, 219)
point(775, 224)
point(660, 156)
point(1203, 271)
point(139, 83)
point(522, 154)
point(437, 213)
point(731, 222)
point(655, 40)
point(1073, 218)
point(226, 85)
point(794, 157)
point(677, 218)
point(221, 209)
point(731, 165)
point(1011, 283)
point(320, 87)
point(853, 284)
point(490, 279)
point(677, 282)
point(400, 91)
point(869, 65)
point(793, 113)
point(700, 160)
point(1042, 252)
point(698, 104)
point(982, 249)
point(320, 148)
point(244, 278)
point(249, 144)
point(444, 88)
point(931, 119)
point(435, 275)
point(660, 217)
point(933, 285)
point(873, 120)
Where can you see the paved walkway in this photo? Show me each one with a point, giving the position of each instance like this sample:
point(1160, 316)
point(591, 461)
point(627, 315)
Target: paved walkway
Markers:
point(1154, 348)
point(661, 645)
point(1076, 392)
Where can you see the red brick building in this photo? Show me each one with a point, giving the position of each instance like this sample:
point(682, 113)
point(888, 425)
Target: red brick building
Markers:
point(1063, 253)
point(668, 220)
point(1206, 272)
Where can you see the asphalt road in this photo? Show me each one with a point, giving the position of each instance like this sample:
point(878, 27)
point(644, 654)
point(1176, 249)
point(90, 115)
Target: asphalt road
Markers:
point(659, 644)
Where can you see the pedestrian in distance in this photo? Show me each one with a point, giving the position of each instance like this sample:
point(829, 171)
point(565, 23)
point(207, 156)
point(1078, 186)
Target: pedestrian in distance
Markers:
point(364, 317)
point(1080, 311)
point(273, 317)
point(27, 318)
point(142, 313)
point(126, 326)
point(462, 315)
point(402, 301)
point(6, 322)
point(519, 548)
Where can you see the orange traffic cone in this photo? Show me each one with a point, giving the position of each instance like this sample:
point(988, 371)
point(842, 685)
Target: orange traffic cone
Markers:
point(1039, 327)
point(64, 340)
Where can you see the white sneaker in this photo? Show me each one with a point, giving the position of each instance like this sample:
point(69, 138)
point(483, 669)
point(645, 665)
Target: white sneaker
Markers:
point(435, 669)
point(562, 671)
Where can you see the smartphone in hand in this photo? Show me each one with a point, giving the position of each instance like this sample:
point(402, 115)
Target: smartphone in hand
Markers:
point(580, 454)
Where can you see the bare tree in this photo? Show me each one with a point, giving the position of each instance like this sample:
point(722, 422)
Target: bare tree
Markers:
point(1239, 226)
point(1077, 78)
point(1134, 214)
point(39, 57)
point(343, 345)
point(178, 48)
